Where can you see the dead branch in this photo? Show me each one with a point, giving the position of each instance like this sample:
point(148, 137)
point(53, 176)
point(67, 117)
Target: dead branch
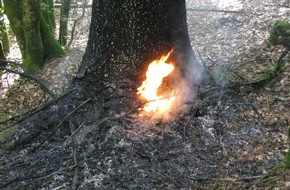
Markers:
point(33, 111)
point(256, 83)
point(75, 159)
point(280, 60)
point(205, 67)
point(4, 62)
point(261, 82)
point(57, 6)
point(18, 116)
point(76, 21)
point(38, 81)
point(212, 10)
point(231, 179)
point(59, 125)
point(237, 74)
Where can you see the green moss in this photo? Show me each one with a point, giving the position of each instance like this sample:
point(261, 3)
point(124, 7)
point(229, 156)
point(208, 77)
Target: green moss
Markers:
point(280, 34)
point(223, 76)
point(34, 34)
point(51, 46)
point(6, 134)
point(33, 43)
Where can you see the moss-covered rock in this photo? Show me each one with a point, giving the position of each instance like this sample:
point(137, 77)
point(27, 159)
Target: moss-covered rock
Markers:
point(280, 34)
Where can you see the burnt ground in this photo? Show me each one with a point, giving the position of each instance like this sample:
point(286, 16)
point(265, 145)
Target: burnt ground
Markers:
point(227, 138)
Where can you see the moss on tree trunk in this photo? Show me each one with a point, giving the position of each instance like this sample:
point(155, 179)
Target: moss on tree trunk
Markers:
point(51, 13)
point(47, 11)
point(4, 33)
point(33, 44)
point(50, 44)
point(34, 34)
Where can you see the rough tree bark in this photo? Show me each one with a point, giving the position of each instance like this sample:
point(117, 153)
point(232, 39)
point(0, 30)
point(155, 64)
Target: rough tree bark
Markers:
point(125, 36)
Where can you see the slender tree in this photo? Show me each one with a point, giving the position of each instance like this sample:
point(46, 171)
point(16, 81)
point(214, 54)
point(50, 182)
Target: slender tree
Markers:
point(5, 44)
point(63, 26)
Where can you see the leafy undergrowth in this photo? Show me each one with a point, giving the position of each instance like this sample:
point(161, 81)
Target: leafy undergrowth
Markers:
point(235, 139)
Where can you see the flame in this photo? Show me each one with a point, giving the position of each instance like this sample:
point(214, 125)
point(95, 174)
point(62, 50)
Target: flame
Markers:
point(157, 70)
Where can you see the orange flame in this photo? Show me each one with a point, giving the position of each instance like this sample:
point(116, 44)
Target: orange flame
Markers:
point(157, 70)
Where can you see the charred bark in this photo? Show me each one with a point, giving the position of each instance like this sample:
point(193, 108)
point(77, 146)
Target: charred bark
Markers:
point(125, 36)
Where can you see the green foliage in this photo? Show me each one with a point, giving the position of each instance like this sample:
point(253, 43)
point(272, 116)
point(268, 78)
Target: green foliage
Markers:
point(224, 76)
point(286, 161)
point(271, 71)
point(280, 34)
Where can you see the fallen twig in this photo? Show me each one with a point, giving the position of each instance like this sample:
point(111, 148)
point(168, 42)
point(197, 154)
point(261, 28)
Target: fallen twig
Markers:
point(231, 179)
point(213, 10)
point(35, 110)
point(75, 23)
point(59, 125)
point(206, 68)
point(38, 81)
point(4, 62)
point(75, 159)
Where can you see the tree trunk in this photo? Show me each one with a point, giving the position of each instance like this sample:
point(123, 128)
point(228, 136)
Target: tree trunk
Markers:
point(64, 16)
point(125, 36)
point(51, 13)
point(14, 11)
point(47, 8)
point(4, 34)
point(33, 33)
point(33, 43)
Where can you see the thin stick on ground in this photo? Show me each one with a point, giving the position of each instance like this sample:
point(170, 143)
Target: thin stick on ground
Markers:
point(4, 62)
point(250, 178)
point(206, 68)
point(76, 21)
point(38, 81)
point(213, 10)
point(59, 125)
point(35, 110)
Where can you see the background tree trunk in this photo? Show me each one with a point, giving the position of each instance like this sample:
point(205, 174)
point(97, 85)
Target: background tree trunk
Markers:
point(14, 11)
point(33, 33)
point(47, 8)
point(4, 33)
point(33, 44)
point(64, 16)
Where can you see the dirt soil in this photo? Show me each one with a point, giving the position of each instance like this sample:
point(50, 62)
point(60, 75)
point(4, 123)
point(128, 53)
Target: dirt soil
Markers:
point(227, 138)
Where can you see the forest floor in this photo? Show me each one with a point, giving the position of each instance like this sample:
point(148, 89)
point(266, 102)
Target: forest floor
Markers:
point(233, 140)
